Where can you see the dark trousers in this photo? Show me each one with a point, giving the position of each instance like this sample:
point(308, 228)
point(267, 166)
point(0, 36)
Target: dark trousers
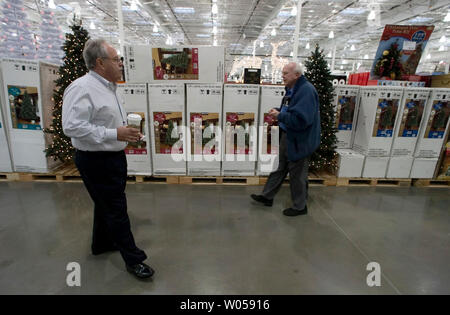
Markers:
point(105, 176)
point(298, 177)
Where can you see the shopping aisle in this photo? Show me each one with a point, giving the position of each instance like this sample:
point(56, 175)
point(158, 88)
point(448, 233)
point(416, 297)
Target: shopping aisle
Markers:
point(214, 240)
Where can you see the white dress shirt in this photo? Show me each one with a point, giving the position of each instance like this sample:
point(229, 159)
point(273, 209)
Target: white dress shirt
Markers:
point(91, 113)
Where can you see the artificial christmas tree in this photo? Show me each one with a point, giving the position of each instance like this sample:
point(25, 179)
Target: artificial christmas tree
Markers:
point(319, 75)
point(73, 68)
point(28, 109)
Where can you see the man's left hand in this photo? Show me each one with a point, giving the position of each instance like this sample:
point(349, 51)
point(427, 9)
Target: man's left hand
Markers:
point(274, 113)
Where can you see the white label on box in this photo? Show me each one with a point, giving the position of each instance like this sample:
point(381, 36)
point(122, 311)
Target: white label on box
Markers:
point(407, 45)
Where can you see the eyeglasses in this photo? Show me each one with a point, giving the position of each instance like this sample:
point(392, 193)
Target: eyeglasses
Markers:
point(115, 59)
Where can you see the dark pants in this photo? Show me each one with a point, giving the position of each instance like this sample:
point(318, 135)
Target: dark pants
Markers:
point(105, 176)
point(298, 177)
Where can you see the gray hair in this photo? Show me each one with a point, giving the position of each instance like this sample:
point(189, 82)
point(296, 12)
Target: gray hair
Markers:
point(93, 49)
point(298, 68)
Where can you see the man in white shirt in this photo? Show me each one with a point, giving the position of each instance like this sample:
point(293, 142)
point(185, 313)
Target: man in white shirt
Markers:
point(95, 120)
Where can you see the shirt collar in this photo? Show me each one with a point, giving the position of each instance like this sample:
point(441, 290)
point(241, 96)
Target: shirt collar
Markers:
point(110, 85)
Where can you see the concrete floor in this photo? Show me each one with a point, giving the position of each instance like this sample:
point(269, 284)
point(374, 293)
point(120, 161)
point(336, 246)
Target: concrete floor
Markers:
point(214, 240)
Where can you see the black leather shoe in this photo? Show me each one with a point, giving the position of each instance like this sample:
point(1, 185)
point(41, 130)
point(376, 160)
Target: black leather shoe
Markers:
point(294, 212)
point(142, 271)
point(262, 199)
point(102, 250)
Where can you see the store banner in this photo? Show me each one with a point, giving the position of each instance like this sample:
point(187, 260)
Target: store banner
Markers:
point(399, 51)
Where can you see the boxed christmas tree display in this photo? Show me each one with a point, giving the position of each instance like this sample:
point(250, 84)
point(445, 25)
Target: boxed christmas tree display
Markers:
point(240, 112)
point(350, 163)
point(194, 64)
point(28, 87)
point(378, 111)
point(167, 127)
point(135, 102)
point(204, 137)
point(411, 112)
point(268, 132)
point(375, 167)
point(5, 157)
point(346, 103)
point(435, 124)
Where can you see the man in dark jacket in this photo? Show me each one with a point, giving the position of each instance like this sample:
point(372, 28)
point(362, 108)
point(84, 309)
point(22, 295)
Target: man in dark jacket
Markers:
point(299, 121)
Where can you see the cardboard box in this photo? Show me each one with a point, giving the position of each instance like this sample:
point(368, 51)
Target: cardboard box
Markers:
point(411, 113)
point(239, 128)
point(187, 64)
point(350, 163)
point(444, 172)
point(5, 155)
point(268, 132)
point(440, 81)
point(204, 132)
point(134, 99)
point(346, 102)
point(377, 115)
point(375, 167)
point(423, 168)
point(399, 167)
point(28, 88)
point(435, 125)
point(167, 128)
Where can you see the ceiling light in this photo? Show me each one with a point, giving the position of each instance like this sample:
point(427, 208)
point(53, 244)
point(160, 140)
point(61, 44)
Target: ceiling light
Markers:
point(169, 41)
point(441, 48)
point(184, 10)
point(261, 44)
point(155, 28)
point(443, 39)
point(292, 54)
point(429, 56)
point(331, 35)
point(371, 16)
point(342, 67)
point(51, 4)
point(447, 17)
point(330, 3)
point(92, 25)
point(133, 6)
point(329, 55)
point(214, 9)
point(294, 11)
point(273, 33)
point(243, 36)
point(214, 31)
point(334, 11)
point(366, 56)
point(307, 46)
point(215, 42)
point(352, 48)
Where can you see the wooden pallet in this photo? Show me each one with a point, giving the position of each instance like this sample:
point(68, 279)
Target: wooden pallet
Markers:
point(219, 180)
point(314, 179)
point(431, 183)
point(399, 182)
point(156, 179)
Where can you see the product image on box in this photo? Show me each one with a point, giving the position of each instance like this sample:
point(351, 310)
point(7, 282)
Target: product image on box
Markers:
point(437, 123)
point(412, 115)
point(269, 123)
point(137, 120)
point(203, 136)
point(175, 63)
point(238, 124)
point(345, 111)
point(167, 133)
point(385, 118)
point(23, 101)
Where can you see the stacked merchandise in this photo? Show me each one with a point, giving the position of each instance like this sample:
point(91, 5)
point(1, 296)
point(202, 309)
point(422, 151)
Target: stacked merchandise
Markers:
point(407, 129)
point(167, 121)
point(204, 139)
point(346, 102)
point(240, 112)
point(5, 157)
point(134, 100)
point(378, 112)
point(268, 132)
point(28, 87)
point(51, 39)
point(432, 135)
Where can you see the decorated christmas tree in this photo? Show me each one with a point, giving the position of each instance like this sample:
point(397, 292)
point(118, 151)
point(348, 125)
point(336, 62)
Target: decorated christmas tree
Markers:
point(319, 75)
point(72, 68)
point(27, 110)
point(389, 64)
point(16, 40)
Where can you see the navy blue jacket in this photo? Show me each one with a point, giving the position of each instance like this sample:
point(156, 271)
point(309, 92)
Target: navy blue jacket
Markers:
point(302, 120)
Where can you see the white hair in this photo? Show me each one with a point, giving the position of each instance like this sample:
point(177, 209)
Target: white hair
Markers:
point(93, 49)
point(298, 68)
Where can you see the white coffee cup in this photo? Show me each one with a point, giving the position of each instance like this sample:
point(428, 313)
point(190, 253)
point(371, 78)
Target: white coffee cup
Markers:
point(134, 121)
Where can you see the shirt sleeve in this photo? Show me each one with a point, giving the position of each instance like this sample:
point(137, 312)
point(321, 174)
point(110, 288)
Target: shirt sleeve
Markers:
point(77, 112)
